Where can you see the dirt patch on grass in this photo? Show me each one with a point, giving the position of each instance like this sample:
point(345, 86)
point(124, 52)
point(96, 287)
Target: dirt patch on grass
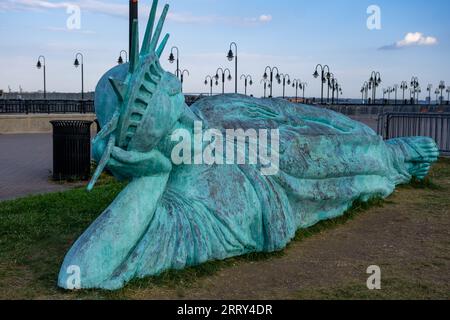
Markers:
point(407, 236)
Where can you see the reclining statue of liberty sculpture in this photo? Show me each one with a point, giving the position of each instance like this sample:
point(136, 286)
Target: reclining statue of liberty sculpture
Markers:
point(172, 215)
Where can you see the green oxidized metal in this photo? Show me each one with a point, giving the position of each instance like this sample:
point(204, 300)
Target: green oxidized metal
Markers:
point(173, 216)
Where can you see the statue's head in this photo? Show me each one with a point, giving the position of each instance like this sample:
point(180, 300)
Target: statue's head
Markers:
point(148, 99)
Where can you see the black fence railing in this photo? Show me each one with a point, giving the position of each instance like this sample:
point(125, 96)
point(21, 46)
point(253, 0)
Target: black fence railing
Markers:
point(17, 106)
point(355, 110)
point(433, 125)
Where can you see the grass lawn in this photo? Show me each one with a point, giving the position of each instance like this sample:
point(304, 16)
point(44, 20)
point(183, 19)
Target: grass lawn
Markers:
point(36, 232)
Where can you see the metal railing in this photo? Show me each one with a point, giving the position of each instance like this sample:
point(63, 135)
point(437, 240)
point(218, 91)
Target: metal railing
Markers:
point(403, 124)
point(18, 106)
point(355, 110)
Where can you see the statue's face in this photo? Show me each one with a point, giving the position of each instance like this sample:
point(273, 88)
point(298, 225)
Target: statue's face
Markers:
point(106, 101)
point(151, 103)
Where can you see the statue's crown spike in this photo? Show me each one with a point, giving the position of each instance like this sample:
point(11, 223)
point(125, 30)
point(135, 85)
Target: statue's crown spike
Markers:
point(150, 41)
point(149, 29)
point(158, 30)
point(119, 88)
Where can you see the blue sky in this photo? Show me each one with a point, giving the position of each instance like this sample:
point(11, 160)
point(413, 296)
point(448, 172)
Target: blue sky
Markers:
point(293, 35)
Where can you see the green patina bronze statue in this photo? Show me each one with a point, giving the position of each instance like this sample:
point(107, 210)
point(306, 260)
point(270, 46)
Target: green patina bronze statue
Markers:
point(176, 214)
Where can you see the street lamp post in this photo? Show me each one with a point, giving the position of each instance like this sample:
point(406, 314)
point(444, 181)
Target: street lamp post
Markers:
point(390, 90)
point(42, 65)
point(323, 78)
point(448, 94)
point(365, 92)
point(442, 88)
point(396, 91)
point(296, 83)
point(230, 57)
point(429, 88)
point(120, 59)
point(414, 88)
point(223, 72)
point(437, 95)
point(374, 82)
point(172, 59)
point(303, 85)
point(404, 87)
point(339, 91)
point(247, 81)
point(211, 81)
point(284, 77)
point(266, 82)
point(77, 64)
point(330, 85)
point(334, 87)
point(266, 76)
point(182, 76)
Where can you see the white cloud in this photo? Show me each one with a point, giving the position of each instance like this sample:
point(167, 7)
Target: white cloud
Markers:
point(265, 18)
point(418, 39)
point(121, 10)
point(413, 39)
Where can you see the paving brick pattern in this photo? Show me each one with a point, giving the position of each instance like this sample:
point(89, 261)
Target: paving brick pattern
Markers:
point(26, 163)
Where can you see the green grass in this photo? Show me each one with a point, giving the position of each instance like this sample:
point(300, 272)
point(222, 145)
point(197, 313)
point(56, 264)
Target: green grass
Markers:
point(36, 232)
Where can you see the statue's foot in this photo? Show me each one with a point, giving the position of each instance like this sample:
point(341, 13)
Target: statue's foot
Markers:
point(420, 153)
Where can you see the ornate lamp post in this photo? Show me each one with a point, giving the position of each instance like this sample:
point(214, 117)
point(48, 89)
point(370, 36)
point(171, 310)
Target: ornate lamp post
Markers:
point(365, 92)
point(436, 92)
point(374, 82)
point(323, 78)
point(335, 88)
point(429, 88)
point(338, 91)
point(209, 79)
point(284, 77)
point(442, 88)
point(303, 85)
point(266, 83)
point(247, 81)
point(42, 65)
point(77, 64)
point(182, 76)
point(330, 85)
point(230, 57)
point(404, 87)
point(223, 73)
point(396, 91)
point(120, 59)
point(296, 83)
point(266, 76)
point(414, 86)
point(172, 59)
point(448, 94)
point(389, 91)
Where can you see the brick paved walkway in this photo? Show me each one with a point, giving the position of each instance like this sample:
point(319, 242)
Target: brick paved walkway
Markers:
point(26, 165)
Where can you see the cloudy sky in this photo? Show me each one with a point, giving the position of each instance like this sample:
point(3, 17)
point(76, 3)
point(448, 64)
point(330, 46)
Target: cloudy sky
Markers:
point(293, 35)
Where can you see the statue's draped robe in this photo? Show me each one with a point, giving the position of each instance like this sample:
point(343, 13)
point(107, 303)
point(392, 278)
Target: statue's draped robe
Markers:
point(213, 212)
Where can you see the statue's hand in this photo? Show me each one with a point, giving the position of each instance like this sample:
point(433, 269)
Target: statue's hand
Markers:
point(132, 164)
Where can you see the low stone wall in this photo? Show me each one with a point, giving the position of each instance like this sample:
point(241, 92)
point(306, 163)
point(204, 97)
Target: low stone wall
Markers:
point(37, 123)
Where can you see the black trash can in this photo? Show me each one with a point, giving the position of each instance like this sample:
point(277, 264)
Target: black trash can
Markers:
point(71, 149)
